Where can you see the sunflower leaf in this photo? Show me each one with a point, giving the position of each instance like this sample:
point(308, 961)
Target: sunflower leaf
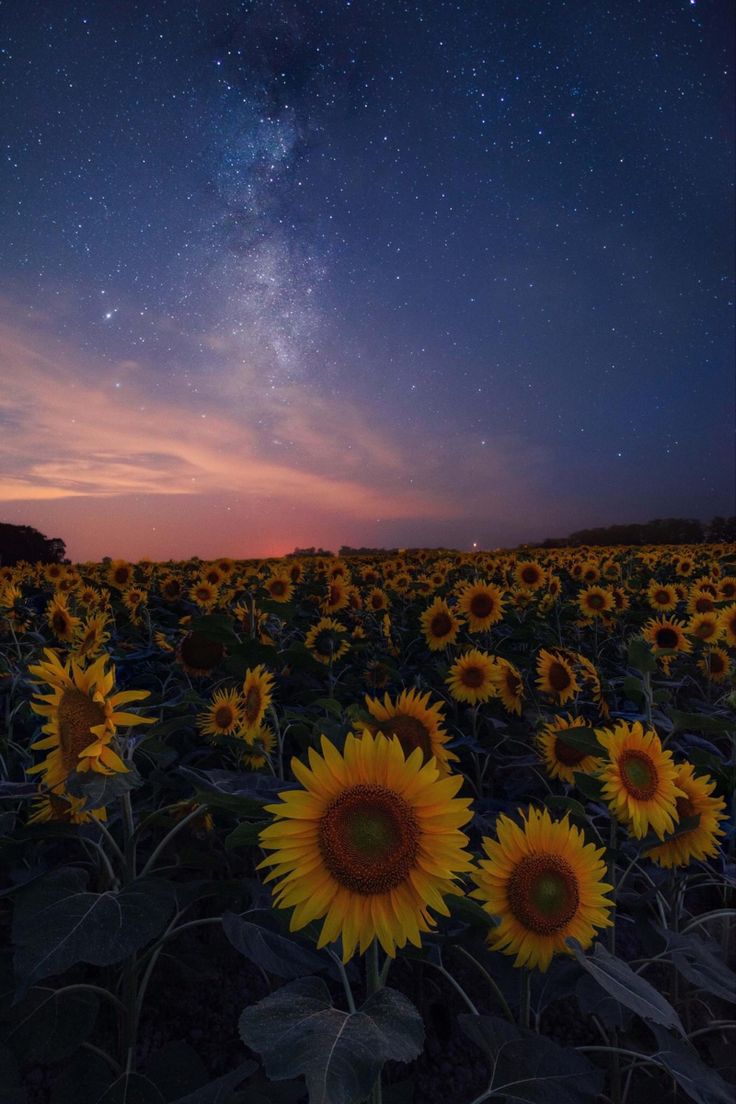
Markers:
point(528, 1068)
point(632, 990)
point(580, 739)
point(640, 656)
point(298, 1032)
point(591, 787)
point(276, 954)
point(48, 1024)
point(58, 923)
point(700, 962)
point(220, 1090)
point(695, 1078)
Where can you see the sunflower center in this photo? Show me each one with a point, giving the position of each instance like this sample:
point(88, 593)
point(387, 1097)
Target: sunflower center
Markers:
point(567, 754)
point(559, 677)
point(410, 731)
point(595, 601)
point(441, 624)
point(666, 638)
point(662, 597)
point(199, 652)
point(224, 716)
point(252, 704)
point(685, 808)
point(529, 575)
point(638, 774)
point(707, 629)
point(59, 622)
point(277, 587)
point(77, 713)
point(717, 666)
point(481, 605)
point(369, 839)
point(543, 893)
point(472, 677)
point(704, 604)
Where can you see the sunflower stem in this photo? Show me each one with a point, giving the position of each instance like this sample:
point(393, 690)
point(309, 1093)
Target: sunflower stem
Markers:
point(615, 1063)
point(373, 984)
point(196, 811)
point(525, 997)
point(497, 992)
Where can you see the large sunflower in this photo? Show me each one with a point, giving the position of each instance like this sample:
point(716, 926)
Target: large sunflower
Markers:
point(639, 779)
point(415, 723)
point(257, 695)
point(482, 604)
point(370, 843)
point(701, 841)
point(556, 677)
point(439, 625)
point(471, 677)
point(83, 716)
point(561, 759)
point(545, 884)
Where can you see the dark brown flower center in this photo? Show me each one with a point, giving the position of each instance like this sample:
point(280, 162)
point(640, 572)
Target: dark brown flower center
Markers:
point(596, 601)
point(252, 704)
point(530, 574)
point(685, 808)
point(369, 839)
point(441, 624)
point(224, 716)
point(472, 677)
point(277, 588)
point(717, 664)
point(666, 638)
point(567, 755)
point(77, 713)
point(481, 605)
point(199, 653)
point(543, 893)
point(410, 731)
point(559, 676)
point(60, 622)
point(662, 597)
point(638, 774)
point(704, 604)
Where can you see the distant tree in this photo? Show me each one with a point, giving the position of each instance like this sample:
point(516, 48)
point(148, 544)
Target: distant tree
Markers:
point(658, 531)
point(722, 530)
point(310, 552)
point(23, 542)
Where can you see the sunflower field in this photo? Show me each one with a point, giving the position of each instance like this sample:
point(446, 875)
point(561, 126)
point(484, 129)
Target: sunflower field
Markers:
point(403, 828)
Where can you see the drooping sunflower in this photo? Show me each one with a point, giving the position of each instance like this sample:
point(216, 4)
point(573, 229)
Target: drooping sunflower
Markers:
point(66, 809)
point(198, 654)
point(91, 637)
point(257, 694)
point(337, 596)
point(728, 624)
point(258, 747)
point(60, 620)
point(326, 640)
point(638, 779)
point(223, 715)
point(715, 664)
point(482, 604)
point(415, 723)
point(371, 843)
point(83, 716)
point(595, 601)
point(529, 575)
point(471, 677)
point(439, 625)
point(556, 677)
point(509, 685)
point(701, 842)
point(561, 759)
point(546, 885)
point(661, 596)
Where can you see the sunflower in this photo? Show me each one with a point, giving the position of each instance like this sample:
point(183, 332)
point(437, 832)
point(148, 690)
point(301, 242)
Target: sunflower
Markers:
point(371, 843)
point(482, 604)
point(439, 625)
point(705, 626)
point(665, 634)
point(223, 714)
point(700, 601)
point(728, 624)
point(198, 654)
point(326, 642)
point(171, 588)
point(715, 664)
point(561, 759)
point(556, 677)
point(471, 677)
point(92, 636)
point(545, 883)
point(257, 695)
point(727, 588)
point(82, 718)
point(258, 748)
point(595, 601)
point(67, 809)
point(639, 779)
point(509, 685)
point(337, 596)
point(120, 574)
point(61, 622)
point(133, 599)
point(661, 596)
point(529, 575)
point(204, 594)
point(699, 842)
point(415, 723)
point(377, 600)
point(377, 674)
point(280, 588)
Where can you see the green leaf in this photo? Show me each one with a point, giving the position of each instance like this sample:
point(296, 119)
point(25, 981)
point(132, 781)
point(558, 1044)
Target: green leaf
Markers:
point(700, 962)
point(652, 839)
point(48, 1025)
point(529, 1068)
point(131, 1088)
point(633, 689)
point(217, 627)
point(13, 1091)
point(469, 911)
point(58, 923)
point(299, 1033)
point(581, 739)
point(176, 1069)
point(566, 804)
point(231, 803)
point(589, 785)
point(701, 722)
point(275, 953)
point(245, 835)
point(640, 656)
point(83, 1079)
point(701, 1083)
point(330, 705)
point(99, 790)
point(220, 1090)
point(632, 990)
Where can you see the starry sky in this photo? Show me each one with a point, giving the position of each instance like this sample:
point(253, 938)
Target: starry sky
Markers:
point(366, 272)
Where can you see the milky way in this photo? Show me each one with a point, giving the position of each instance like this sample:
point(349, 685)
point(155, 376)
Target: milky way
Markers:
point(363, 272)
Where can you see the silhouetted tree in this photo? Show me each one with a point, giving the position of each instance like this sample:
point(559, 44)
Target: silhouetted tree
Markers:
point(23, 542)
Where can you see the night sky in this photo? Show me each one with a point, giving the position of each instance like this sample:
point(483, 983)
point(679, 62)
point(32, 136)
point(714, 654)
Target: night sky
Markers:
point(374, 273)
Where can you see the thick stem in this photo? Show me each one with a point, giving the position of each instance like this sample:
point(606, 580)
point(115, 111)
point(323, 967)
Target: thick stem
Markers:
point(373, 984)
point(525, 997)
